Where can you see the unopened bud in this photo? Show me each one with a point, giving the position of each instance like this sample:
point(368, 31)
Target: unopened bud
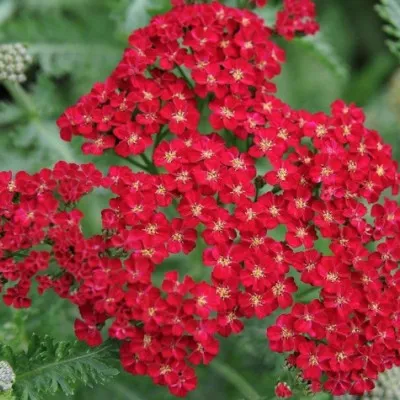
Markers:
point(14, 60)
point(7, 376)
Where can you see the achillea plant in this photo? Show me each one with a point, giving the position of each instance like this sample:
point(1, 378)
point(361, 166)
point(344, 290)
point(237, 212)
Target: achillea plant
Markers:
point(192, 103)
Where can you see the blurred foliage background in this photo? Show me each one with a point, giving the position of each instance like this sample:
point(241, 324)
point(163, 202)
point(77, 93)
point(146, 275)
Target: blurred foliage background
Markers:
point(78, 42)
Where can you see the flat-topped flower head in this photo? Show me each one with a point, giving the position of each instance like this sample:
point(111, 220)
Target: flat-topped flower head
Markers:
point(231, 171)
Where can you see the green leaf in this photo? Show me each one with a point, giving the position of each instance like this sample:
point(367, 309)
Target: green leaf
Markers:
point(325, 52)
point(10, 114)
point(131, 14)
point(268, 13)
point(44, 136)
point(34, 145)
point(7, 8)
point(389, 11)
point(233, 377)
point(51, 5)
point(9, 395)
point(134, 14)
point(366, 83)
point(59, 59)
point(38, 134)
point(49, 100)
point(49, 366)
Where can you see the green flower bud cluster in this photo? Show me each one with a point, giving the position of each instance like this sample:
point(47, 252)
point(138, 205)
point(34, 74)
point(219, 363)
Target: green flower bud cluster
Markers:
point(14, 60)
point(7, 376)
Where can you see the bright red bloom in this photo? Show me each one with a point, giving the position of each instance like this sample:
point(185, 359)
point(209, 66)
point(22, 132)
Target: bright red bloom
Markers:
point(283, 391)
point(133, 140)
point(181, 115)
point(312, 359)
point(227, 113)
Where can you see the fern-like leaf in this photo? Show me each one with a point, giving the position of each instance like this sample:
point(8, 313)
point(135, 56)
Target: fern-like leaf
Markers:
point(49, 366)
point(389, 11)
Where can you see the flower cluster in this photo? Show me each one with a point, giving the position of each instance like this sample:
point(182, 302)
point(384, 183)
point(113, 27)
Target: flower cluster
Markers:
point(38, 210)
point(350, 333)
point(297, 17)
point(228, 54)
point(209, 68)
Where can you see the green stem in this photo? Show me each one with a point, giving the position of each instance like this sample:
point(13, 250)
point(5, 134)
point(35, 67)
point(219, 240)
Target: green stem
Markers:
point(248, 142)
point(229, 137)
point(305, 293)
point(21, 97)
point(276, 189)
point(257, 193)
point(163, 133)
point(151, 167)
point(203, 102)
point(237, 380)
point(138, 164)
point(184, 76)
point(234, 140)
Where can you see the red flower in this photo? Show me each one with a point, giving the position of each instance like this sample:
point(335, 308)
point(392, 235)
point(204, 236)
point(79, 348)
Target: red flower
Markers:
point(133, 141)
point(203, 302)
point(182, 238)
point(87, 330)
point(227, 113)
point(283, 391)
point(224, 259)
point(282, 336)
point(221, 229)
point(181, 115)
point(208, 80)
point(312, 359)
point(97, 147)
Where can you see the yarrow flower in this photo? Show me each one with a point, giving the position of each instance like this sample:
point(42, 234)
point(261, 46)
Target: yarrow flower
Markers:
point(199, 69)
point(297, 16)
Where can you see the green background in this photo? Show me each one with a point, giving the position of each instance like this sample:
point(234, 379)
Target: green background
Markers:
point(78, 42)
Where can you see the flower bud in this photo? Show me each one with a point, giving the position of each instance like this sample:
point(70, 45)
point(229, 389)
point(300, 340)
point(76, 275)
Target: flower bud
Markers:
point(7, 376)
point(14, 60)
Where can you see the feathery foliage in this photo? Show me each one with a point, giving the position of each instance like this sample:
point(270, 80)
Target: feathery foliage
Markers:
point(389, 10)
point(48, 366)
